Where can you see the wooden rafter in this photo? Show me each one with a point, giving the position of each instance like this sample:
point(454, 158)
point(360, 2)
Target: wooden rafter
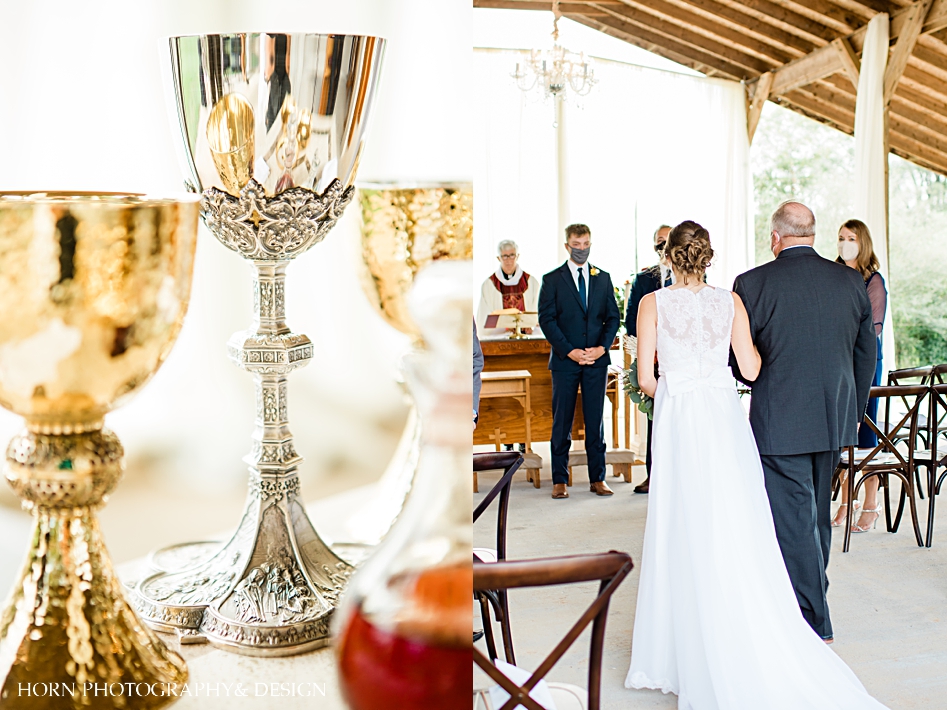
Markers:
point(806, 51)
point(848, 58)
point(904, 47)
point(756, 105)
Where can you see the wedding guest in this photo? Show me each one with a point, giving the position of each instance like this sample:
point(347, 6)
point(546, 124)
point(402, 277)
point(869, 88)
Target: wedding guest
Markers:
point(855, 250)
point(477, 369)
point(507, 287)
point(579, 317)
point(648, 280)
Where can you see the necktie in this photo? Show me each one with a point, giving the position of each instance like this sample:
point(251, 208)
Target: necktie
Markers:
point(582, 289)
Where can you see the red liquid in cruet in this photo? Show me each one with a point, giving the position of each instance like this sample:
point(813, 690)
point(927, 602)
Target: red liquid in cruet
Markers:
point(425, 662)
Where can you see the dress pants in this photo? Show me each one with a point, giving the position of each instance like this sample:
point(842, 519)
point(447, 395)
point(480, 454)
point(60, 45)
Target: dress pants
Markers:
point(799, 487)
point(565, 388)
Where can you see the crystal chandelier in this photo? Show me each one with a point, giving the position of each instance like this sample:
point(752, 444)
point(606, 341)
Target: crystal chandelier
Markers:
point(556, 69)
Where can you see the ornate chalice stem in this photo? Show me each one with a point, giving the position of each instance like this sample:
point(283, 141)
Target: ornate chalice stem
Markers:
point(271, 589)
point(67, 624)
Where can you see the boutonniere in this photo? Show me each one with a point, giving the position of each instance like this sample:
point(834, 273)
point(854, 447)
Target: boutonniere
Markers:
point(593, 271)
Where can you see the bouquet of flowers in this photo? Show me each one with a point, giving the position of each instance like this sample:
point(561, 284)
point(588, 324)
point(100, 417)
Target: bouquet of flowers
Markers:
point(630, 380)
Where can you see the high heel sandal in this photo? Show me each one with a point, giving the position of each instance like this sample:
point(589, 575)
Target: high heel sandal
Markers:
point(874, 524)
point(836, 523)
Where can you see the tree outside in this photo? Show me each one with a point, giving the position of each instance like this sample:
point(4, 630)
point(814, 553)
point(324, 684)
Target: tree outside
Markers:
point(794, 157)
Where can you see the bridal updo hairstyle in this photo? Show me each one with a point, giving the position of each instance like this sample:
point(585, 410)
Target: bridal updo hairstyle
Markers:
point(688, 249)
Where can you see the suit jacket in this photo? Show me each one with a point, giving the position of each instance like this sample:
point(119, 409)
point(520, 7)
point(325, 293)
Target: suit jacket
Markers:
point(567, 327)
point(477, 369)
point(647, 281)
point(811, 321)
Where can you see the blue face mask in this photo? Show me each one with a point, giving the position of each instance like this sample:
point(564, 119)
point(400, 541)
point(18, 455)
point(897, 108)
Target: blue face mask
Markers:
point(579, 256)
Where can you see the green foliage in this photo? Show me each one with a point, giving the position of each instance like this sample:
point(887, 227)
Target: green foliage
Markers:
point(794, 157)
point(633, 390)
point(620, 300)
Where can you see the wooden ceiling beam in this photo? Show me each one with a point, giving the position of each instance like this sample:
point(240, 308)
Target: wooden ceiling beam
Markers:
point(751, 65)
point(755, 108)
point(918, 154)
point(712, 30)
point(771, 13)
point(743, 22)
point(816, 65)
point(826, 114)
point(848, 58)
point(908, 23)
point(663, 47)
point(904, 46)
point(542, 5)
point(824, 12)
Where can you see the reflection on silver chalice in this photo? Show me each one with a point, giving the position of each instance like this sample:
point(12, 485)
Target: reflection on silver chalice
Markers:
point(273, 126)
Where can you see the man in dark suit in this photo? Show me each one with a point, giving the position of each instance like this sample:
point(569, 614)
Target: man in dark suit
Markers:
point(811, 321)
point(647, 281)
point(579, 317)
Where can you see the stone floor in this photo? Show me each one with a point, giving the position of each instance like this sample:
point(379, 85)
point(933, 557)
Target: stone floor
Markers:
point(888, 596)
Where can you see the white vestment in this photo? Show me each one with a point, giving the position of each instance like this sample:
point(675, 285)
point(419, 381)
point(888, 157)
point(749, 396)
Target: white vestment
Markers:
point(492, 300)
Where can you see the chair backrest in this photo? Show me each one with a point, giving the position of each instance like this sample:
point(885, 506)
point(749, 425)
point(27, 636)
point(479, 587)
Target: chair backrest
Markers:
point(609, 568)
point(938, 411)
point(888, 430)
point(939, 374)
point(509, 461)
point(901, 377)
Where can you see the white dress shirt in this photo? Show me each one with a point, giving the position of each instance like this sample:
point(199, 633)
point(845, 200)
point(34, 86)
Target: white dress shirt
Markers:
point(575, 269)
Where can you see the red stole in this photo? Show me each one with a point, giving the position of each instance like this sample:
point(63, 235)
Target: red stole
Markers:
point(512, 295)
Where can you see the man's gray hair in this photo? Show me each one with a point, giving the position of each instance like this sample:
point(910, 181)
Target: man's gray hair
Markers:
point(506, 244)
point(663, 226)
point(793, 219)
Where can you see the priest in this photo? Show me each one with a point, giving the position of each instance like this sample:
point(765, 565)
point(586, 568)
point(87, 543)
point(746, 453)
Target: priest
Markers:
point(507, 287)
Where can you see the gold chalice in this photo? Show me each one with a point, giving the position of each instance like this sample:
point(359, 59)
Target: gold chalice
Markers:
point(93, 288)
point(405, 227)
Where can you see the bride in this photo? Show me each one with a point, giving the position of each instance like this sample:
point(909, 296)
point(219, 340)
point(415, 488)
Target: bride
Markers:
point(717, 621)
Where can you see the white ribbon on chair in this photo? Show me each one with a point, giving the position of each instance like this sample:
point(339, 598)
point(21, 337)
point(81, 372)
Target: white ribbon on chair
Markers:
point(678, 382)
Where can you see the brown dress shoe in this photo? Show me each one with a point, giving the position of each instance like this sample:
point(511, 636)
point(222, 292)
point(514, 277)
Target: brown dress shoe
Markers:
point(600, 488)
point(643, 487)
point(559, 490)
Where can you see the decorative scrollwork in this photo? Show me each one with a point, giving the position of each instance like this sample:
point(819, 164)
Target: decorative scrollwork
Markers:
point(273, 228)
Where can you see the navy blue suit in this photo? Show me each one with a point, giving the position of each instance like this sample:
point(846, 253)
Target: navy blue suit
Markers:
point(567, 326)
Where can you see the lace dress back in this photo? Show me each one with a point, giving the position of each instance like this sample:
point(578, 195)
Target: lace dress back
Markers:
point(694, 330)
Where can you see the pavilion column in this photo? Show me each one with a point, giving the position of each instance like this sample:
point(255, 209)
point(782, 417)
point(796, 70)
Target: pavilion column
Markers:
point(562, 175)
point(871, 154)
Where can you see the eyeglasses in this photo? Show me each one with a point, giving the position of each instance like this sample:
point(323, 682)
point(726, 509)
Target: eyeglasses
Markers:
point(659, 247)
point(508, 256)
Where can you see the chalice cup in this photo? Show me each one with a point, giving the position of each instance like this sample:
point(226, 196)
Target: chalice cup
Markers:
point(273, 128)
point(93, 290)
point(405, 227)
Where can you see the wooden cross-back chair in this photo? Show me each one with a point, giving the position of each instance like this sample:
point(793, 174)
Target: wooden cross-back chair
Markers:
point(911, 376)
point(609, 568)
point(509, 462)
point(886, 459)
point(935, 457)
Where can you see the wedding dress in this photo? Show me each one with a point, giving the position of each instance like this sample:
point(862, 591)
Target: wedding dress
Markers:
point(717, 621)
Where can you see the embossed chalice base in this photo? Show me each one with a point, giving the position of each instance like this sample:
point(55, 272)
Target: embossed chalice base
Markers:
point(67, 624)
point(272, 588)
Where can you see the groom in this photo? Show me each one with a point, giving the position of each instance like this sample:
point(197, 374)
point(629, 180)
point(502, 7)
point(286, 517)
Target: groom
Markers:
point(579, 317)
point(811, 321)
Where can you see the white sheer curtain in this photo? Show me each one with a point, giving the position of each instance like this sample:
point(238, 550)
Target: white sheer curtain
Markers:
point(871, 183)
point(646, 147)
